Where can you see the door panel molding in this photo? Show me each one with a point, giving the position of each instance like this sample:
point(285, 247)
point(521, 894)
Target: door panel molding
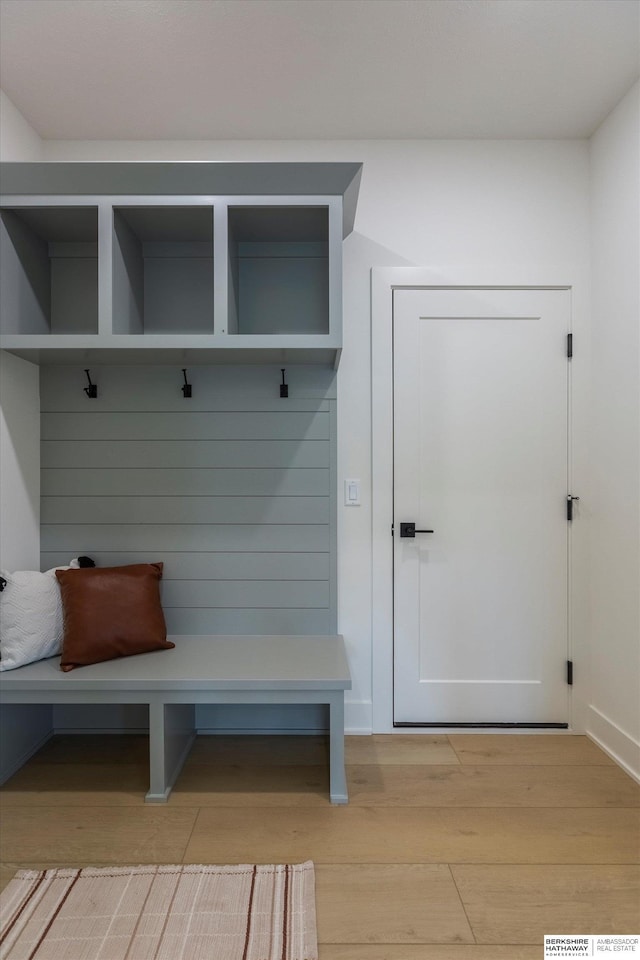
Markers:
point(383, 282)
point(480, 445)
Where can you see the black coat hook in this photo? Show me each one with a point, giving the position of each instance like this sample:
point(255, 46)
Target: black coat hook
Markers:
point(284, 387)
point(92, 390)
point(186, 389)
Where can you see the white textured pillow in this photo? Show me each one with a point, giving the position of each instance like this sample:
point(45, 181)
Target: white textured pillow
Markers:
point(30, 617)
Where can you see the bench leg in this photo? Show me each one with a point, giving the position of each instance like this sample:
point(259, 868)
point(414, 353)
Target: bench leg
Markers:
point(171, 736)
point(337, 776)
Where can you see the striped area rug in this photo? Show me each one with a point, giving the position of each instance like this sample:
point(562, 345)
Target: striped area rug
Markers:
point(183, 912)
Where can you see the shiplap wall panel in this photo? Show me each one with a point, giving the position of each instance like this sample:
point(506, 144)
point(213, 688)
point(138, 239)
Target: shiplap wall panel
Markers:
point(238, 594)
point(289, 454)
point(181, 509)
point(197, 620)
point(234, 490)
point(156, 539)
point(216, 566)
point(256, 482)
point(186, 424)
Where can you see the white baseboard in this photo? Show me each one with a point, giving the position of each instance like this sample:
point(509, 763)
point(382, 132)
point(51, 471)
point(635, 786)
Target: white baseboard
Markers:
point(358, 717)
point(19, 761)
point(617, 744)
point(112, 731)
point(260, 731)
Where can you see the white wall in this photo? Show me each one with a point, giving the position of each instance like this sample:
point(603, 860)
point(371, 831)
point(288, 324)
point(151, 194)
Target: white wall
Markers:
point(478, 205)
point(614, 714)
point(18, 140)
point(19, 402)
point(22, 728)
point(19, 464)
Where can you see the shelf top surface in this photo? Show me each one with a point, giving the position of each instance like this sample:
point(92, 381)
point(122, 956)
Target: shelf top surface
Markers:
point(204, 662)
point(200, 178)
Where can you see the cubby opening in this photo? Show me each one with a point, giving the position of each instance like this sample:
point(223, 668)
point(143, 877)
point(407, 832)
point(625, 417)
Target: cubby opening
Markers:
point(49, 270)
point(278, 270)
point(163, 269)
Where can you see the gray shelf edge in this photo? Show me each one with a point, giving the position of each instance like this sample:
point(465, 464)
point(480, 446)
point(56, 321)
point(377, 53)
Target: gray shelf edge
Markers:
point(188, 178)
point(44, 352)
point(162, 341)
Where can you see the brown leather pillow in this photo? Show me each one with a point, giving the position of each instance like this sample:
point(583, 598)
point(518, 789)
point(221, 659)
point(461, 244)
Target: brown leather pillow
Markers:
point(111, 612)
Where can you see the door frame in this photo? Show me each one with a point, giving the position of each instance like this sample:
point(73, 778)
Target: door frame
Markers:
point(384, 281)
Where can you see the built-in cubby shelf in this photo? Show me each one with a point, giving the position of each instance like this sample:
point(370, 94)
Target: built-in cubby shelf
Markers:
point(49, 270)
point(278, 270)
point(162, 269)
point(142, 263)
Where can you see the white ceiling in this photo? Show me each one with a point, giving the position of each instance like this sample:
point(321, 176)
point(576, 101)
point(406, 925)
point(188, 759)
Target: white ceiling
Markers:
point(317, 69)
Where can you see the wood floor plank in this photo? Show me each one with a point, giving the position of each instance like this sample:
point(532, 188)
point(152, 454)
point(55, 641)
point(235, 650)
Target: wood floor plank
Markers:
point(524, 749)
point(61, 784)
point(94, 748)
point(491, 786)
point(205, 785)
point(393, 903)
point(425, 951)
point(399, 749)
point(520, 904)
point(148, 834)
point(415, 835)
point(259, 750)
point(246, 784)
point(9, 868)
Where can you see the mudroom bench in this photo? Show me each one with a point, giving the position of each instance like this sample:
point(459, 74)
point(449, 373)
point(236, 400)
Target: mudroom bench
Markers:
point(201, 670)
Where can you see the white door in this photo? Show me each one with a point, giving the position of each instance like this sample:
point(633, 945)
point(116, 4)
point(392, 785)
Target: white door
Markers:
point(481, 458)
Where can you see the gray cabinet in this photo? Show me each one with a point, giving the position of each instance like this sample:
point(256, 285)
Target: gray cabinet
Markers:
point(157, 263)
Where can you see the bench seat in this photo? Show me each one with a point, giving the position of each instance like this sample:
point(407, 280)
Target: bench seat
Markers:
point(201, 669)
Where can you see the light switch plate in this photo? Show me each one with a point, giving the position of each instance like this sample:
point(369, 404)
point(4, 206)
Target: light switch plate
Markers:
point(352, 493)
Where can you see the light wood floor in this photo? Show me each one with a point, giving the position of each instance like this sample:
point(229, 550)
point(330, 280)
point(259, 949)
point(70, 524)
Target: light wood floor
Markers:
point(466, 847)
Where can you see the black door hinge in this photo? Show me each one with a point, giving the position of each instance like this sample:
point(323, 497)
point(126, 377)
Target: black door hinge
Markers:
point(569, 345)
point(570, 673)
point(570, 502)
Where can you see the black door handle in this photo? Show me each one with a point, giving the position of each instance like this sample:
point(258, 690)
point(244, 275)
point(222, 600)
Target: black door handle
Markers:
point(409, 530)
